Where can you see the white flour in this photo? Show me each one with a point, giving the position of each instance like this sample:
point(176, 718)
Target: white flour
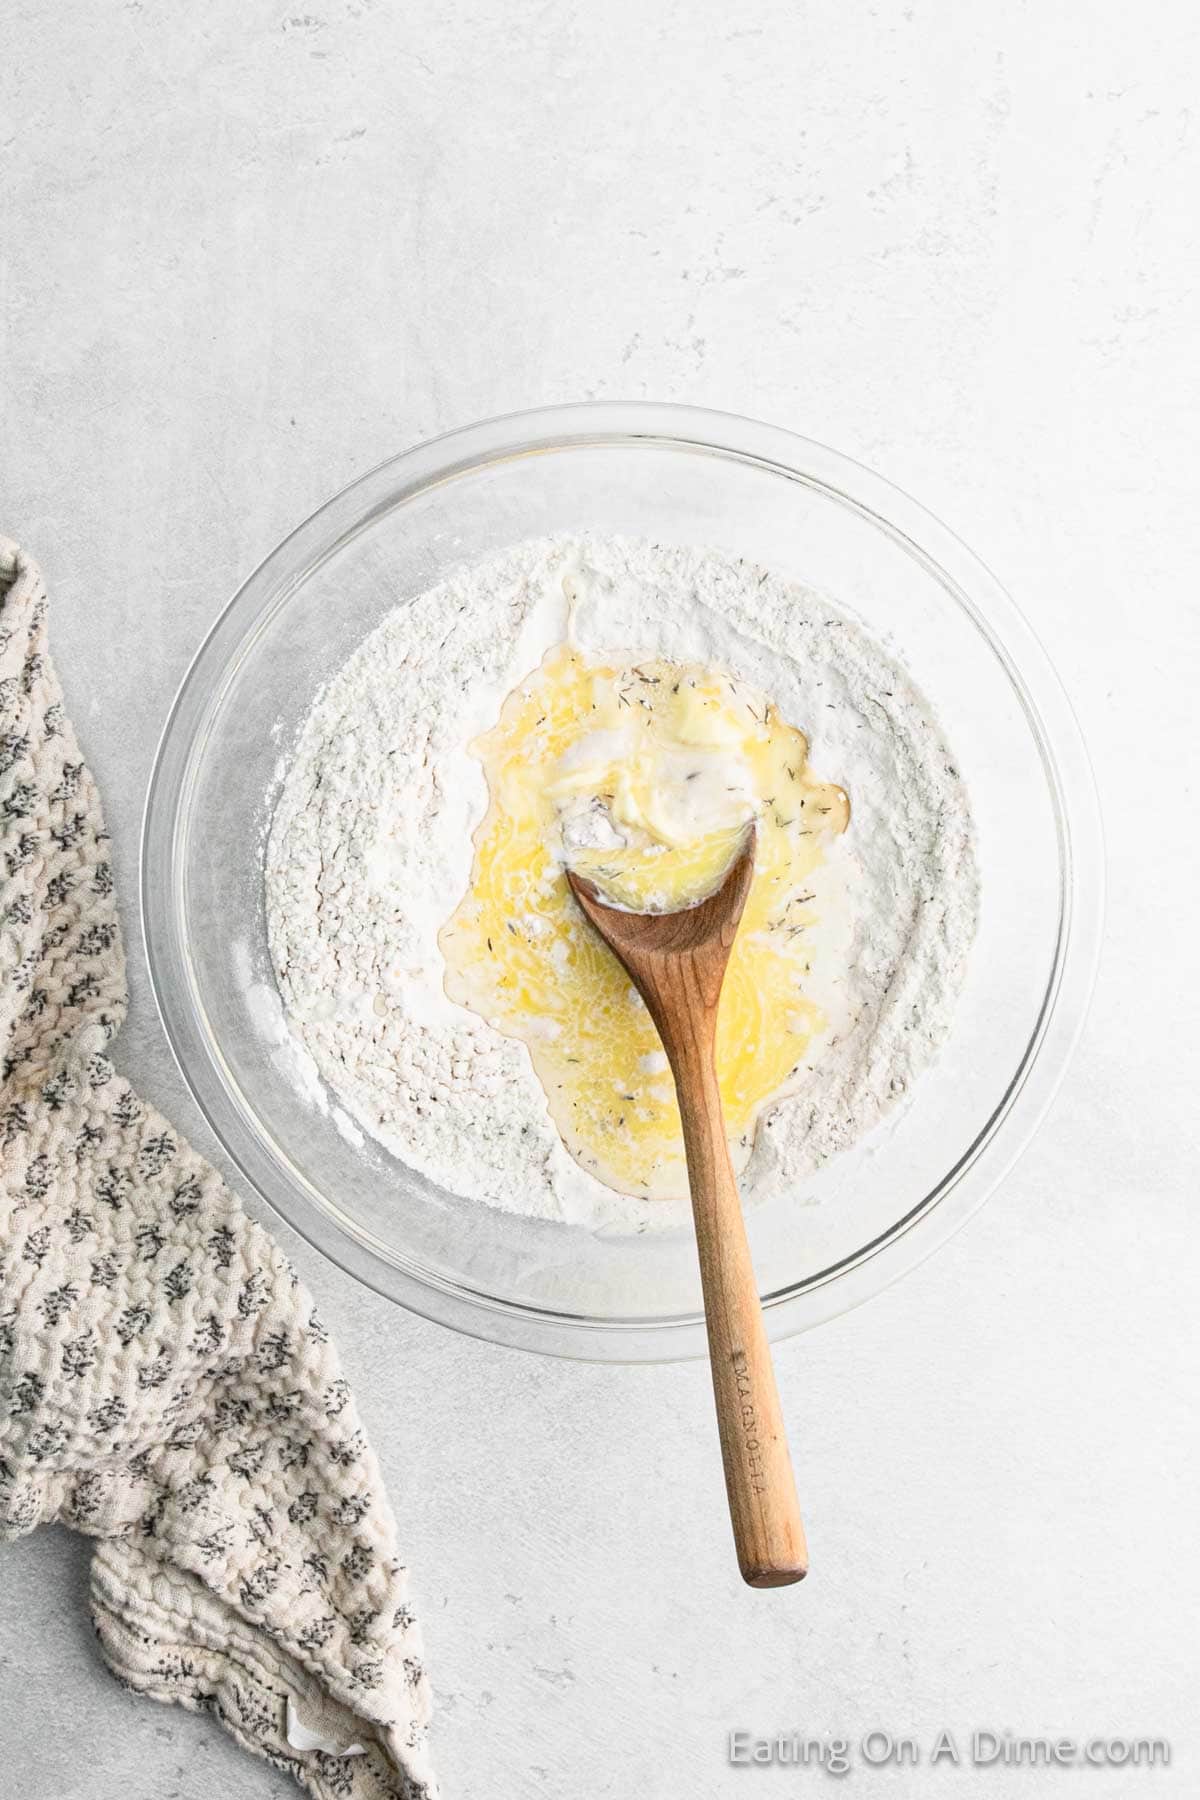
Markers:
point(371, 843)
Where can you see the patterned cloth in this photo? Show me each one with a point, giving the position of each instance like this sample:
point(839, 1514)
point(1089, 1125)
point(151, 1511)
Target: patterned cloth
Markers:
point(165, 1383)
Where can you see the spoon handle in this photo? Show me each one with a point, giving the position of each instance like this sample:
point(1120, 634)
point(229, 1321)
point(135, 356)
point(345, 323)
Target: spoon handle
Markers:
point(763, 1507)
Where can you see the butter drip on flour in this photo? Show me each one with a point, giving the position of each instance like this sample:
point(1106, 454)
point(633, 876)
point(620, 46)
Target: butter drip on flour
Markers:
point(643, 777)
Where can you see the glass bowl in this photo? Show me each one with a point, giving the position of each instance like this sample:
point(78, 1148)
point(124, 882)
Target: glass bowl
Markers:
point(675, 474)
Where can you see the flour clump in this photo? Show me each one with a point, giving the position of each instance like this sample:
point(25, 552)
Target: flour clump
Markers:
point(371, 843)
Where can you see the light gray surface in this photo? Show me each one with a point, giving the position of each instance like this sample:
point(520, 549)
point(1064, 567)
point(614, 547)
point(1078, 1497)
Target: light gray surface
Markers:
point(248, 252)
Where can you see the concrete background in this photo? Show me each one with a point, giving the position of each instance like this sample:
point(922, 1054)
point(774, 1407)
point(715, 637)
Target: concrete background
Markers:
point(249, 250)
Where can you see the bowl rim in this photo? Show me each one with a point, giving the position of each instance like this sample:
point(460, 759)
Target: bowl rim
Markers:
point(966, 579)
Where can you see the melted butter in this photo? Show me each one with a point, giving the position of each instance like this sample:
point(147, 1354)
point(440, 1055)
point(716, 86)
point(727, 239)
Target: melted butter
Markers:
point(642, 778)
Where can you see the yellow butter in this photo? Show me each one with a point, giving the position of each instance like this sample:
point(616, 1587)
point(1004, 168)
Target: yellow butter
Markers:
point(642, 777)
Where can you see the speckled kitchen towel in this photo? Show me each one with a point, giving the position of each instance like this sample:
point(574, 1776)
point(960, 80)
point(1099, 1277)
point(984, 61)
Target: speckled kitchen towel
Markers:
point(165, 1383)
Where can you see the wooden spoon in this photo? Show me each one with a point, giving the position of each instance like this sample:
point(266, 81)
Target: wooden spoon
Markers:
point(677, 960)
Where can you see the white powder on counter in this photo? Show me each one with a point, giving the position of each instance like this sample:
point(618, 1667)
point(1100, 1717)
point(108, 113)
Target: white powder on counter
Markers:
point(370, 850)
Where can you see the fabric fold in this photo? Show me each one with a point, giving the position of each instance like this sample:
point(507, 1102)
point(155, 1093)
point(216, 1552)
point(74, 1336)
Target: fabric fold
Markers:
point(166, 1384)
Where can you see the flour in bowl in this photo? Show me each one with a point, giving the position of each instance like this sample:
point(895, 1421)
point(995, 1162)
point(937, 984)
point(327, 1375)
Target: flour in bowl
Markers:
point(370, 850)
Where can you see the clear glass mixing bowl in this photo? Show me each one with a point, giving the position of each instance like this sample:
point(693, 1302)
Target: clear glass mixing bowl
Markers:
point(679, 475)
